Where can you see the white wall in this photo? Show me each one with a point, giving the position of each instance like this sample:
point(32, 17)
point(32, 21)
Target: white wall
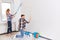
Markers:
point(17, 16)
point(45, 17)
point(3, 25)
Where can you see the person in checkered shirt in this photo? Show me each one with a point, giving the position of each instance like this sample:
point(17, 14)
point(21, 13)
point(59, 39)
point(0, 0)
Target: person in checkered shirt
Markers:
point(22, 24)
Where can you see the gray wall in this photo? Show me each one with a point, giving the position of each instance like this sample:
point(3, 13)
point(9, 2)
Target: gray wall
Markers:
point(45, 17)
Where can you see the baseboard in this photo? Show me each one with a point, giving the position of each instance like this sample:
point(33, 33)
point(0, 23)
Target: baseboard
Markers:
point(6, 33)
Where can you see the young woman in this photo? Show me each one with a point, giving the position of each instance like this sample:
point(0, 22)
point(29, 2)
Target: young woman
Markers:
point(9, 20)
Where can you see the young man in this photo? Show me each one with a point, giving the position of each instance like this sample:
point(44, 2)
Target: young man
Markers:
point(22, 24)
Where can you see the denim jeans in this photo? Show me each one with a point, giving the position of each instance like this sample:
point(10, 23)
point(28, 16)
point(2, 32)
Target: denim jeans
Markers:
point(9, 27)
point(22, 34)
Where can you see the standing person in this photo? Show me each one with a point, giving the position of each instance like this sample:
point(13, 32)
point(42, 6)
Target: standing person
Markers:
point(9, 20)
point(22, 24)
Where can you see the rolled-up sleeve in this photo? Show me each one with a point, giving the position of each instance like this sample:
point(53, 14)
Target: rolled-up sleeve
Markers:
point(25, 21)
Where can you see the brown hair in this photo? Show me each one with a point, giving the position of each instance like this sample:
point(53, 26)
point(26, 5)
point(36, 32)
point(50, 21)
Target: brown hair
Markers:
point(7, 11)
point(22, 15)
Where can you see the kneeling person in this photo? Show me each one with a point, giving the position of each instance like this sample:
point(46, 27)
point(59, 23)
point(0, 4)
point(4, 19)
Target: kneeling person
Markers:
point(22, 24)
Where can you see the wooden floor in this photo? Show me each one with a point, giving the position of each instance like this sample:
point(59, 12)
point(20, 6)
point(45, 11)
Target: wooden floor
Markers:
point(11, 37)
point(7, 36)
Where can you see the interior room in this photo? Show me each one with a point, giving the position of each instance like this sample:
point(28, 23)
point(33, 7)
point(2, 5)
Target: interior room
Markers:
point(45, 17)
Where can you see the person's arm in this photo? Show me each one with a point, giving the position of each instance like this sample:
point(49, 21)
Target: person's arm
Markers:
point(12, 16)
point(27, 21)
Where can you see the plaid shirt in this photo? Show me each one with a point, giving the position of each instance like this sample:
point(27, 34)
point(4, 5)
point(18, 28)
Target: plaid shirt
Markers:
point(22, 23)
point(9, 17)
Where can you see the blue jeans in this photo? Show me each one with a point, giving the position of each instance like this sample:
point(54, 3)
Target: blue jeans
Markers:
point(22, 34)
point(9, 27)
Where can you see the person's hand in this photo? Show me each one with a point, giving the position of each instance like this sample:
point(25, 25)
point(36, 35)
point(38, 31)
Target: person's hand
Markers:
point(12, 16)
point(30, 19)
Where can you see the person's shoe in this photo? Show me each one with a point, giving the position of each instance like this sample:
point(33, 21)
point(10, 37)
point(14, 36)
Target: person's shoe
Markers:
point(7, 33)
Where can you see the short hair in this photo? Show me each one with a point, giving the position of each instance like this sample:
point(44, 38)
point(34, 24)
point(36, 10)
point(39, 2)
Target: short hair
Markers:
point(8, 10)
point(22, 15)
